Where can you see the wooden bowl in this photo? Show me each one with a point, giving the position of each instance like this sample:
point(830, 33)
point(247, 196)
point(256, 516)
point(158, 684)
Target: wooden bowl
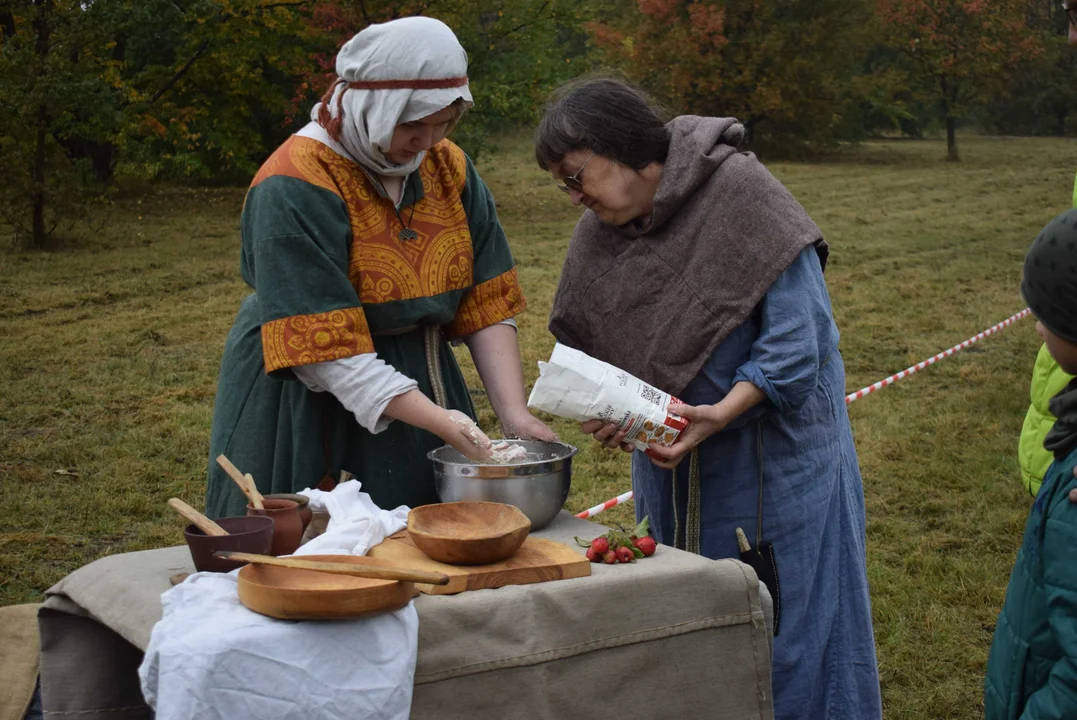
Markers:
point(293, 594)
point(468, 533)
point(245, 534)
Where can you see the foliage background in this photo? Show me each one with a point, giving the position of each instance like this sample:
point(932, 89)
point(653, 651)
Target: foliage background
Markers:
point(97, 96)
point(129, 128)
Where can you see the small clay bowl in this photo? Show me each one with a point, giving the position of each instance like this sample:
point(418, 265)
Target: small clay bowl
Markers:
point(287, 527)
point(245, 534)
point(305, 513)
point(468, 533)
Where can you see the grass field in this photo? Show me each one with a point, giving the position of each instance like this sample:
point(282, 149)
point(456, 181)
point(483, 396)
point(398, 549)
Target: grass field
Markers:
point(111, 349)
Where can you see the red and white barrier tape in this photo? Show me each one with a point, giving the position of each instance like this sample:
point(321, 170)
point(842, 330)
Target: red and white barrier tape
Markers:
point(612, 502)
point(932, 360)
point(591, 512)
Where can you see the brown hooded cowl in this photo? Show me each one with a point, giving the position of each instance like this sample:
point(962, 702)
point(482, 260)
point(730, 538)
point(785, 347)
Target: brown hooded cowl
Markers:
point(658, 301)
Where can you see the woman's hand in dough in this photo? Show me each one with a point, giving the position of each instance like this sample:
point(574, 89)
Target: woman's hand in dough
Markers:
point(526, 426)
point(460, 431)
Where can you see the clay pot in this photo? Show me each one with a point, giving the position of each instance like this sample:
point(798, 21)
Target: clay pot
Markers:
point(305, 513)
point(287, 527)
point(245, 534)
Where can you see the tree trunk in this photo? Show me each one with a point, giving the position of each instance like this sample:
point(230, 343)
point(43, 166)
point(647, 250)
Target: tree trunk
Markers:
point(102, 155)
point(38, 176)
point(951, 139)
point(7, 25)
point(39, 197)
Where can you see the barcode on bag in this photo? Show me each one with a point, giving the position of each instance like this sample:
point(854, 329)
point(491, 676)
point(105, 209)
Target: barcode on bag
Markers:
point(649, 393)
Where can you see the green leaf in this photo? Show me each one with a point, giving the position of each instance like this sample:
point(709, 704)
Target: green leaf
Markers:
point(618, 538)
point(644, 527)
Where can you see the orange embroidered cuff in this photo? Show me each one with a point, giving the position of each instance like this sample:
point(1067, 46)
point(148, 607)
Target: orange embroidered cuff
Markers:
point(487, 304)
point(306, 339)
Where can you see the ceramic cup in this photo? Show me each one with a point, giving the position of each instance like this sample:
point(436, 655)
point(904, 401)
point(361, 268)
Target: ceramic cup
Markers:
point(305, 513)
point(287, 527)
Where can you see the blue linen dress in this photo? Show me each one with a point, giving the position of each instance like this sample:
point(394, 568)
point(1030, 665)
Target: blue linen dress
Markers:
point(813, 499)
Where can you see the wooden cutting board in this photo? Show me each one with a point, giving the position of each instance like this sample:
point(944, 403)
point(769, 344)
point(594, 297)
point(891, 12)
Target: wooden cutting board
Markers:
point(537, 560)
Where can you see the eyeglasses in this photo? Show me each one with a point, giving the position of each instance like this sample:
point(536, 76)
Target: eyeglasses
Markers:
point(1071, 12)
point(574, 182)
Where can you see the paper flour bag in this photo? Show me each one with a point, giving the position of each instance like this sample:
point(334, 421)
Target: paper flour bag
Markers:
point(575, 385)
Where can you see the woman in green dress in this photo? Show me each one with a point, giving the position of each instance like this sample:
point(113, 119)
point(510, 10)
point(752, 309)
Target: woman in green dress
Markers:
point(370, 243)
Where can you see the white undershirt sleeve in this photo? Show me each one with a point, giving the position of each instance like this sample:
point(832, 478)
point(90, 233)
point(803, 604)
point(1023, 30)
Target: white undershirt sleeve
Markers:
point(364, 384)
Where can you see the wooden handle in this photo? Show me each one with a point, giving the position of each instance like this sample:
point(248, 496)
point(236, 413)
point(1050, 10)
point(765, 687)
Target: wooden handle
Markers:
point(200, 521)
point(239, 479)
point(742, 541)
point(367, 571)
point(256, 497)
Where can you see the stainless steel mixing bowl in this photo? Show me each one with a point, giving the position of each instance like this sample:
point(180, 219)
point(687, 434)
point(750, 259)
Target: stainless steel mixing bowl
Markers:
point(538, 485)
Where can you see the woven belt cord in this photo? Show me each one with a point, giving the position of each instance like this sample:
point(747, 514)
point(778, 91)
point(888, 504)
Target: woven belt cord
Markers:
point(759, 459)
point(432, 339)
point(677, 542)
point(432, 345)
point(692, 533)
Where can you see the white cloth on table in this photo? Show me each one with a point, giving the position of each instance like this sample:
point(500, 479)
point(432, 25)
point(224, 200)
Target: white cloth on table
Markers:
point(211, 658)
point(356, 524)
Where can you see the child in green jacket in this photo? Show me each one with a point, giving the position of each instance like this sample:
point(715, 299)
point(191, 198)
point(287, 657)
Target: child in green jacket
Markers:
point(1047, 379)
point(1032, 669)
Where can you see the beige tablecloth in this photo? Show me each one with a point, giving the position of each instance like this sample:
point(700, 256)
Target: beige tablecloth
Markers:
point(673, 636)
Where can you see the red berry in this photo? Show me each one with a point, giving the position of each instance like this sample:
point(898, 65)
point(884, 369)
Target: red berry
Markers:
point(610, 557)
point(625, 554)
point(593, 556)
point(647, 545)
point(600, 545)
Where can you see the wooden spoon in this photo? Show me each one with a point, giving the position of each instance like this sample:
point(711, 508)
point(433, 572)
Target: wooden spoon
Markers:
point(200, 521)
point(256, 497)
point(241, 480)
point(368, 571)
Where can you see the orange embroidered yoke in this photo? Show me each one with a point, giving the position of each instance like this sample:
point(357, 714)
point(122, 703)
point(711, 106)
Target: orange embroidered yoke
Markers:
point(323, 252)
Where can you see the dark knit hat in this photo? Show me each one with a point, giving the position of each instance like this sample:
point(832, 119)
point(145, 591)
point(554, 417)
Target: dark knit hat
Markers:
point(1050, 280)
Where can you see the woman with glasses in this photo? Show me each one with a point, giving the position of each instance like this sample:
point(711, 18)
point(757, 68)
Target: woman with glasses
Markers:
point(369, 243)
point(694, 269)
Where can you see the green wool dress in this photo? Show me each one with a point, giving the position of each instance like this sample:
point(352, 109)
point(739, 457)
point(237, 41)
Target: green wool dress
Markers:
point(331, 278)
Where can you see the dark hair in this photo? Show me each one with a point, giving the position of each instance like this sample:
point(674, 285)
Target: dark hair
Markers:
point(605, 115)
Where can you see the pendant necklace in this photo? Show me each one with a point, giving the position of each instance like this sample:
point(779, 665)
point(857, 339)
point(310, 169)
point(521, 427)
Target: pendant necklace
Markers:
point(406, 233)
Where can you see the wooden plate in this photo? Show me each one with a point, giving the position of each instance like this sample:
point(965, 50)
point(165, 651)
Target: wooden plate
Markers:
point(468, 533)
point(292, 594)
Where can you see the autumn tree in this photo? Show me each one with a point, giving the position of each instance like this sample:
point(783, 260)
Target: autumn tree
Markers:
point(1040, 96)
point(517, 52)
point(790, 71)
point(959, 49)
point(192, 88)
point(39, 87)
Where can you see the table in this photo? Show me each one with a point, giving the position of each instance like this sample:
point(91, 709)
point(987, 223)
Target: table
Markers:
point(671, 636)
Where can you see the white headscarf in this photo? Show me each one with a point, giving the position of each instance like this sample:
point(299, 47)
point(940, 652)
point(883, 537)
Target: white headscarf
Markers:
point(391, 73)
